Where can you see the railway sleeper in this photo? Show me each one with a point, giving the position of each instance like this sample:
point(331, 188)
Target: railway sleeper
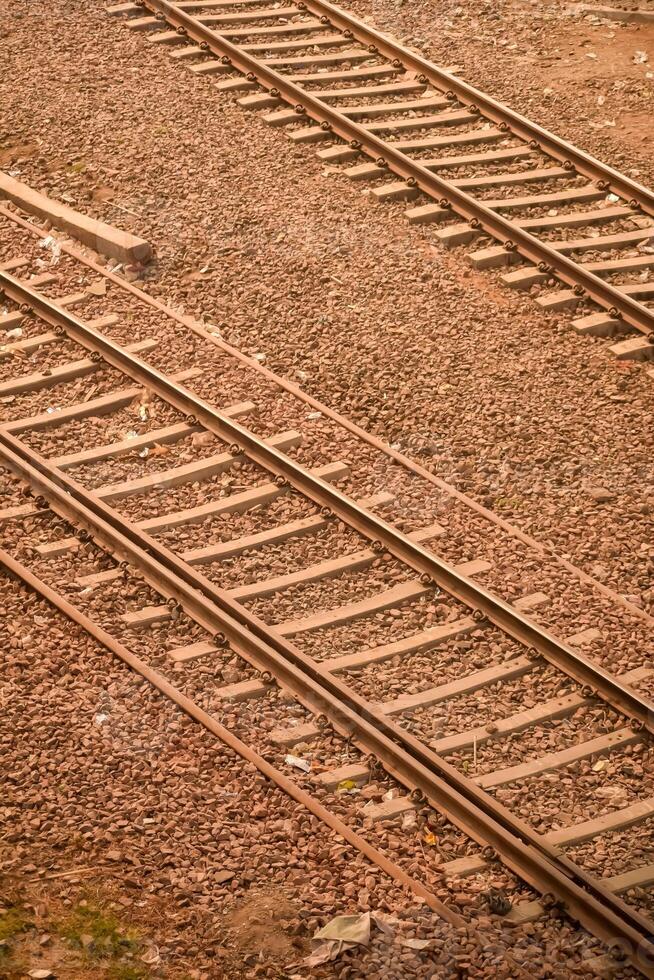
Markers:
point(166, 435)
point(64, 372)
point(123, 10)
point(29, 344)
point(249, 17)
point(15, 265)
point(343, 152)
point(220, 550)
point(346, 74)
point(400, 87)
point(403, 592)
point(497, 255)
point(284, 116)
point(307, 60)
point(435, 212)
point(261, 100)
point(237, 503)
point(368, 170)
point(634, 349)
point(195, 5)
point(546, 711)
point(430, 639)
point(536, 174)
point(594, 747)
point(641, 877)
point(461, 234)
point(598, 325)
point(354, 772)
point(323, 41)
point(325, 569)
point(278, 30)
point(102, 405)
point(200, 469)
point(143, 23)
point(570, 195)
point(274, 535)
point(188, 52)
point(238, 84)
point(567, 298)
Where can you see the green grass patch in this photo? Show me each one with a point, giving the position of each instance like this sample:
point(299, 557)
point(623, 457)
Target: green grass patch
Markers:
point(13, 921)
point(119, 971)
point(100, 934)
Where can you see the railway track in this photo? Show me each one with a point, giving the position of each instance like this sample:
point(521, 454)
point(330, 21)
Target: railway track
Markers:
point(578, 232)
point(160, 517)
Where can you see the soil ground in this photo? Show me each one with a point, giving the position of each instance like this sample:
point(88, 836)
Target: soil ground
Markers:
point(368, 314)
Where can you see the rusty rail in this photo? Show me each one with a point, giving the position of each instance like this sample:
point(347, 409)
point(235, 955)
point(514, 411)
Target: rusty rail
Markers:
point(434, 570)
point(519, 125)
point(20, 571)
point(510, 234)
point(419, 768)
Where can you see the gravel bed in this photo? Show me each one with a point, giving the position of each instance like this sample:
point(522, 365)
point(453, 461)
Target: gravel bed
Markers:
point(555, 361)
point(271, 289)
point(448, 661)
point(615, 227)
point(25, 404)
point(47, 357)
point(160, 458)
point(226, 527)
point(572, 73)
point(539, 740)
point(578, 792)
point(269, 561)
point(646, 687)
point(310, 598)
point(621, 278)
point(106, 606)
point(405, 501)
point(112, 711)
point(378, 630)
point(167, 835)
point(12, 492)
point(617, 853)
point(98, 430)
point(239, 478)
point(168, 832)
point(486, 705)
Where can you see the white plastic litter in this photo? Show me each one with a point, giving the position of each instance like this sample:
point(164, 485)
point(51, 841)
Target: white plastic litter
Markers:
point(294, 760)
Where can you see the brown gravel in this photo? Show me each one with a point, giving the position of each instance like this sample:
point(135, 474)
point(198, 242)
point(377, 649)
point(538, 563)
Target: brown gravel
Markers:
point(166, 850)
point(293, 279)
point(322, 441)
point(528, 429)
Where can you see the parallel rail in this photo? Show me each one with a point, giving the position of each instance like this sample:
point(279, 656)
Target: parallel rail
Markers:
point(382, 535)
point(513, 237)
point(418, 767)
point(31, 581)
point(490, 108)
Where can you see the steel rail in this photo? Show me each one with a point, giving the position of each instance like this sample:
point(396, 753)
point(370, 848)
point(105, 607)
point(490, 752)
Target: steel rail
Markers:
point(291, 788)
point(292, 388)
point(383, 535)
point(429, 776)
point(511, 235)
point(522, 127)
